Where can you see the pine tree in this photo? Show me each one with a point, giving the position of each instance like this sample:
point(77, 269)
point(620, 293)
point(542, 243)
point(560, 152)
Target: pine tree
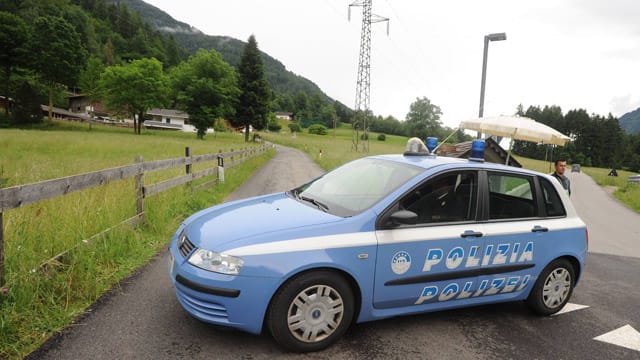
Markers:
point(253, 104)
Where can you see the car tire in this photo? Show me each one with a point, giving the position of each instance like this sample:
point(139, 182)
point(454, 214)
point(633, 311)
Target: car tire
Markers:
point(553, 288)
point(311, 311)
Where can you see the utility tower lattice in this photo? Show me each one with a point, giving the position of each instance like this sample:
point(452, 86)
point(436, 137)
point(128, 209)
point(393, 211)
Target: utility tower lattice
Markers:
point(363, 85)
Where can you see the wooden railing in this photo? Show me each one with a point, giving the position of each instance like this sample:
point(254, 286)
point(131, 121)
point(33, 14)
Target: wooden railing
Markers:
point(17, 196)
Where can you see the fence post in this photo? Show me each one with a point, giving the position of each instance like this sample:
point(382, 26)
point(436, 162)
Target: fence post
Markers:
point(220, 166)
point(2, 282)
point(140, 190)
point(187, 168)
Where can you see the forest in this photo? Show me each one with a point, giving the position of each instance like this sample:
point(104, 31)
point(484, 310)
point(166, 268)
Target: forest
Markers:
point(596, 140)
point(52, 49)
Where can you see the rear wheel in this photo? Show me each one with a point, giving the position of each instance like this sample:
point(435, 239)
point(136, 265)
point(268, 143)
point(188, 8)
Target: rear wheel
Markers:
point(311, 312)
point(553, 288)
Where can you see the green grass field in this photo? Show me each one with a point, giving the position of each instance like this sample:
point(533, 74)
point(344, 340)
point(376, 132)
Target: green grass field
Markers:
point(40, 301)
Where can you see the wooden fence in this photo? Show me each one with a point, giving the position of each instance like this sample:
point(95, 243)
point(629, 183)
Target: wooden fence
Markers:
point(17, 196)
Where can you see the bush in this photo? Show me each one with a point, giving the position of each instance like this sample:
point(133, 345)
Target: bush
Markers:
point(294, 127)
point(219, 125)
point(318, 129)
point(382, 137)
point(274, 126)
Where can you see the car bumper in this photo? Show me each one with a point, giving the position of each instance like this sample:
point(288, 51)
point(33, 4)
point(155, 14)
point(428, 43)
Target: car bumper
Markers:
point(226, 300)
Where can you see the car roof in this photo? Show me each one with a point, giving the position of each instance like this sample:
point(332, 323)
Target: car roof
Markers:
point(427, 162)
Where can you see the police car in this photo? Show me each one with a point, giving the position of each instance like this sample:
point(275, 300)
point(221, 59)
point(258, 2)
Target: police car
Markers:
point(379, 237)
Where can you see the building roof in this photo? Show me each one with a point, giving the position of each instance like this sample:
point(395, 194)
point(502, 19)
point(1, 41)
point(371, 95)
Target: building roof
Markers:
point(64, 113)
point(493, 152)
point(161, 125)
point(172, 113)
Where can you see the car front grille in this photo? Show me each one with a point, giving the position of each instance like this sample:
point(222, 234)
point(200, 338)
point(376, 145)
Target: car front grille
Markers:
point(208, 310)
point(185, 246)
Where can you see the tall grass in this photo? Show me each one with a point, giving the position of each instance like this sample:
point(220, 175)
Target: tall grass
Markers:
point(42, 299)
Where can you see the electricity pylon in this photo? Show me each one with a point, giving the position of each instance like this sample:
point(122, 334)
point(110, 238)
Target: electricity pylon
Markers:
point(363, 84)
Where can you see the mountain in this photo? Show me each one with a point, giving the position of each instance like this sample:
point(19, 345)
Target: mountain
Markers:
point(191, 39)
point(630, 122)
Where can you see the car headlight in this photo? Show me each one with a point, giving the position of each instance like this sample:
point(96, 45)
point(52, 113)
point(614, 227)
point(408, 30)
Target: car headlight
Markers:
point(216, 262)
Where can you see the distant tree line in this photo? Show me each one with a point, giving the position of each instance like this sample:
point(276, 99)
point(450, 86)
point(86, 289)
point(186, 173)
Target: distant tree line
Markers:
point(596, 140)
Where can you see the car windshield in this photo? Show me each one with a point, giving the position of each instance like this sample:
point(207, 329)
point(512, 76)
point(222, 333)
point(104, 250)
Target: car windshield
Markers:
point(355, 186)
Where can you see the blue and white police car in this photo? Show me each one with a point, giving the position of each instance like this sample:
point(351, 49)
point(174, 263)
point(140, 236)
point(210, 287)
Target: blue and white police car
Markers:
point(378, 237)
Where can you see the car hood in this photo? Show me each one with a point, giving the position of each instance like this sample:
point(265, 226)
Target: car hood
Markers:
point(217, 227)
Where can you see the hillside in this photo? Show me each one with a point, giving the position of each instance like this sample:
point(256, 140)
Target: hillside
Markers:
point(630, 122)
point(191, 39)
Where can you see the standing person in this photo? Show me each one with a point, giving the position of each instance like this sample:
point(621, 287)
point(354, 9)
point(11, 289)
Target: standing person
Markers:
point(561, 166)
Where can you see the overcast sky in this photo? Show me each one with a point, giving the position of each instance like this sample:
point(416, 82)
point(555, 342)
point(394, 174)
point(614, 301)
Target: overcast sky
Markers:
point(572, 53)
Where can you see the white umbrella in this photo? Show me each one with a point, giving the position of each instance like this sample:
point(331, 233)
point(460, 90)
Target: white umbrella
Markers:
point(516, 128)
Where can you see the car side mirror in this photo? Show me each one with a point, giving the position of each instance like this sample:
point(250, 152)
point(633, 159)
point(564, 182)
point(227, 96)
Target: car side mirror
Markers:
point(404, 217)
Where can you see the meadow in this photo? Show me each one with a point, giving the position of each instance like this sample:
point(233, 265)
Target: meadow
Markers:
point(40, 295)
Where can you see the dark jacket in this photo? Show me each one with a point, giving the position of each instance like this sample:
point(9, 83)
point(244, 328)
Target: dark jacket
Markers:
point(566, 183)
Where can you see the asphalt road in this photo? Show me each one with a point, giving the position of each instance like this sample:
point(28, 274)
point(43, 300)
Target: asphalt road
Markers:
point(613, 228)
point(141, 318)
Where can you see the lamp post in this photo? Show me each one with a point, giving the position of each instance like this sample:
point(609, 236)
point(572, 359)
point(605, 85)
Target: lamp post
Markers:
point(487, 38)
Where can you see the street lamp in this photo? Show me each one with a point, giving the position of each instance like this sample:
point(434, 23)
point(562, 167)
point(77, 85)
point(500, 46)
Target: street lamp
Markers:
point(487, 38)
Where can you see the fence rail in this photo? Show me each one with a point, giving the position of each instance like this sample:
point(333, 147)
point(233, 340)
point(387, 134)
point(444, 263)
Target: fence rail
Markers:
point(21, 195)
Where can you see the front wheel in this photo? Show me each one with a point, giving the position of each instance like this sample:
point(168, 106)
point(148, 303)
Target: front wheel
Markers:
point(553, 288)
point(311, 311)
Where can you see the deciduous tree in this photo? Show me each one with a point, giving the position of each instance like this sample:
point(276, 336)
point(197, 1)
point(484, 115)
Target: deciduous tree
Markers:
point(57, 54)
point(89, 81)
point(206, 88)
point(134, 88)
point(423, 119)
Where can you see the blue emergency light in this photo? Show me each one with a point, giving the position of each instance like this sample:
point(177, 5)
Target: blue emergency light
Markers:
point(432, 143)
point(477, 151)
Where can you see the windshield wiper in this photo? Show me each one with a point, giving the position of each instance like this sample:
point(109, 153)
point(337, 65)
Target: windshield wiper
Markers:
point(315, 202)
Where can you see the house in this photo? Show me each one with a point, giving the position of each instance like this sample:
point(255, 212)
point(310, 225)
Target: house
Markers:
point(493, 152)
point(168, 119)
point(284, 115)
point(59, 113)
point(81, 104)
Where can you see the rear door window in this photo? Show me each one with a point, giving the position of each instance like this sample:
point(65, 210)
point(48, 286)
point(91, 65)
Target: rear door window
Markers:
point(552, 202)
point(511, 196)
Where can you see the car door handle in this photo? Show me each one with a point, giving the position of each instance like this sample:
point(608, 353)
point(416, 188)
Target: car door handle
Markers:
point(469, 233)
point(539, 228)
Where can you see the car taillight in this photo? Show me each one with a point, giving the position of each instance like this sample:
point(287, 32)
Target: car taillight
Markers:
point(586, 231)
